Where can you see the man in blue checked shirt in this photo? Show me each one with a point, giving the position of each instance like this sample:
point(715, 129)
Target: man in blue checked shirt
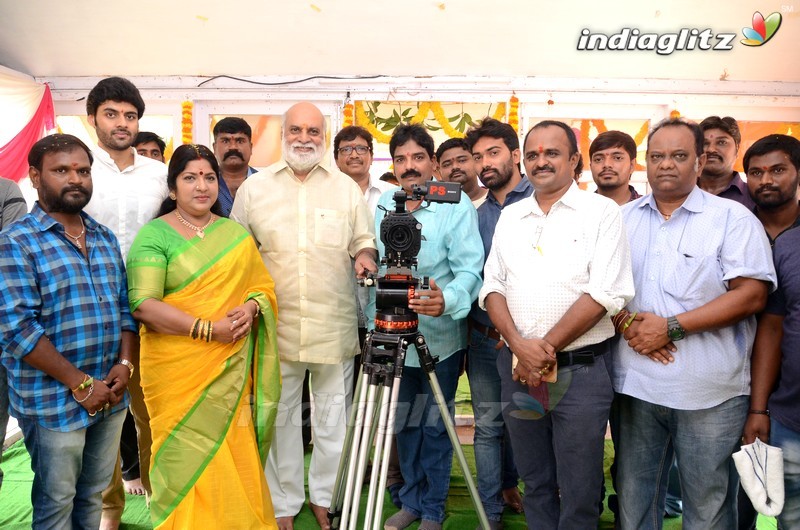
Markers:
point(67, 337)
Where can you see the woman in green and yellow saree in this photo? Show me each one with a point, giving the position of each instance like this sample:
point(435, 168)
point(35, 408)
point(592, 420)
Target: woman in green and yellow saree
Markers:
point(209, 365)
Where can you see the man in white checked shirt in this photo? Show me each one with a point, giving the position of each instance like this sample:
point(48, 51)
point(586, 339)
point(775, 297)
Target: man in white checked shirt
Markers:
point(559, 265)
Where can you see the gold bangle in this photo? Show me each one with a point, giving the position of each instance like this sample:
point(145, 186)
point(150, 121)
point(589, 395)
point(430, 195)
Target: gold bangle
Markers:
point(83, 384)
point(629, 321)
point(210, 330)
point(193, 329)
point(91, 389)
point(258, 307)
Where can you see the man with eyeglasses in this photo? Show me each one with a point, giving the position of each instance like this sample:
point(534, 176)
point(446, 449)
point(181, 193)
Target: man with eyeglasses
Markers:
point(353, 149)
point(232, 147)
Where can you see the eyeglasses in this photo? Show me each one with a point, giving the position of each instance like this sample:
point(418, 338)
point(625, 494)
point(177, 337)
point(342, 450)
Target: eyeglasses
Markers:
point(360, 149)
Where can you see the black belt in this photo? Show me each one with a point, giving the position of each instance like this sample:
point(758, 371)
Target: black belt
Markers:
point(485, 330)
point(584, 355)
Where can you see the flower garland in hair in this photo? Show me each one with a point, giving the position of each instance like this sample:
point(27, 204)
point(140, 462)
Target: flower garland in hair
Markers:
point(186, 122)
point(674, 114)
point(347, 112)
point(513, 112)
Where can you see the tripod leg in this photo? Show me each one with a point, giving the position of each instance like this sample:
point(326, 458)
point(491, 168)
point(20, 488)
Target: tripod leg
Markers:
point(428, 364)
point(388, 438)
point(375, 495)
point(354, 483)
point(341, 494)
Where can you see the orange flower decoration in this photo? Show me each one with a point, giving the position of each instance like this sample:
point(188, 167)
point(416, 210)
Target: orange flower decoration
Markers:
point(347, 112)
point(674, 115)
point(513, 112)
point(187, 108)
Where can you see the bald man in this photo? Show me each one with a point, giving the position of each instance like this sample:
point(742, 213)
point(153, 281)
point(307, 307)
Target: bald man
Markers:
point(309, 221)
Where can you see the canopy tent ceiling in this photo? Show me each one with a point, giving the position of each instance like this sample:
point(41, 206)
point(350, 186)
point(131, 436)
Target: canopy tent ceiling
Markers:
point(372, 37)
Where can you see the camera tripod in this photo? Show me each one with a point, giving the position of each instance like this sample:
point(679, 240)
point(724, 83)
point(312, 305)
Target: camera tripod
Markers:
point(374, 412)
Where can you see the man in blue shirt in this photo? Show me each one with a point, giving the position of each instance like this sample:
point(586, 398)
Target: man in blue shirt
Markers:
point(702, 267)
point(451, 255)
point(67, 337)
point(233, 147)
point(495, 150)
point(772, 165)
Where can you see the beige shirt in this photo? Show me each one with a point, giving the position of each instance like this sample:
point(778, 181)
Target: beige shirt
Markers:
point(307, 232)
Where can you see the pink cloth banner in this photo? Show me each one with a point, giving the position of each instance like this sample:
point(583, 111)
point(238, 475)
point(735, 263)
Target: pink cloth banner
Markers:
point(14, 155)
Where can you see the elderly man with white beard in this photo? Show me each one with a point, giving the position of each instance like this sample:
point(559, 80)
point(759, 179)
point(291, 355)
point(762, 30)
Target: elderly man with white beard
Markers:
point(309, 220)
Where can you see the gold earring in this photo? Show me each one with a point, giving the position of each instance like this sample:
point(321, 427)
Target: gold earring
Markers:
point(172, 196)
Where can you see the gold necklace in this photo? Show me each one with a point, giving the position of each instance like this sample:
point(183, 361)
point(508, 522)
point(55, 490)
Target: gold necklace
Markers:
point(79, 236)
point(201, 230)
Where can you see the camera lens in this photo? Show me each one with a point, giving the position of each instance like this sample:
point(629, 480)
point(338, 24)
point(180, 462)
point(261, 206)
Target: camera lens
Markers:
point(400, 238)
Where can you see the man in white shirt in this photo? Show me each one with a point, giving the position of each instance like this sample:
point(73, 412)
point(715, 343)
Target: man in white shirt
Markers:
point(353, 147)
point(309, 221)
point(128, 191)
point(559, 264)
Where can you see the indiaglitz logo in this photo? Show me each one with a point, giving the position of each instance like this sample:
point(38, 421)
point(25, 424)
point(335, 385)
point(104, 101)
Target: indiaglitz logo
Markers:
point(763, 29)
point(662, 43)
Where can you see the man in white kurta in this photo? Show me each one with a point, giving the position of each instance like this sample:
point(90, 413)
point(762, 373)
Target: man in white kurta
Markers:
point(309, 221)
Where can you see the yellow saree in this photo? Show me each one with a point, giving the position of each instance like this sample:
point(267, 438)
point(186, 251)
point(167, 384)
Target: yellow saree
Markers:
point(212, 406)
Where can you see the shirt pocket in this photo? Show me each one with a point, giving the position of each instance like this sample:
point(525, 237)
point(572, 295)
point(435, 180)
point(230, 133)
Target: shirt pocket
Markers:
point(331, 228)
point(694, 280)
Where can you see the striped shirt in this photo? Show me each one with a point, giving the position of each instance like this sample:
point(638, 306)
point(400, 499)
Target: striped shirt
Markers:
point(49, 289)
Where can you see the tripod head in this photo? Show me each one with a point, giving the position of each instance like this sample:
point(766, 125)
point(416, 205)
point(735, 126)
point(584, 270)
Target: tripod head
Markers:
point(401, 235)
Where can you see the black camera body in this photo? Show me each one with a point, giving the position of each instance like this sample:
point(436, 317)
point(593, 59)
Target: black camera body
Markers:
point(401, 235)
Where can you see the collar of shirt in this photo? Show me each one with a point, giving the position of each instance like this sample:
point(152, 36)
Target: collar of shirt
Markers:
point(102, 155)
point(521, 188)
point(47, 223)
point(694, 202)
point(282, 165)
point(570, 199)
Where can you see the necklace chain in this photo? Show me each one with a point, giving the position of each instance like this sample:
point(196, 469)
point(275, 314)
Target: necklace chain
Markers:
point(77, 238)
point(201, 230)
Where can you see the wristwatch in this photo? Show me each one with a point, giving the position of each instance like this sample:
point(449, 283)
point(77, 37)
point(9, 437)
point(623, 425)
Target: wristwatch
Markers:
point(127, 364)
point(674, 329)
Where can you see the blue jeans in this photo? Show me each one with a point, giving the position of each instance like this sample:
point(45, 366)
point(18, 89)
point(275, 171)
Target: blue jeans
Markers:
point(491, 442)
point(3, 413)
point(789, 441)
point(703, 441)
point(70, 471)
point(423, 446)
point(560, 455)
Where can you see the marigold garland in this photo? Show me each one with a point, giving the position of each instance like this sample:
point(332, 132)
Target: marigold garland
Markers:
point(674, 114)
point(363, 120)
point(186, 121)
point(449, 130)
point(500, 111)
point(513, 112)
point(422, 112)
point(347, 112)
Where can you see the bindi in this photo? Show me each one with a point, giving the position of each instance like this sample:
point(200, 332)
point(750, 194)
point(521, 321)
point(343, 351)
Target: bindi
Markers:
point(201, 172)
point(541, 149)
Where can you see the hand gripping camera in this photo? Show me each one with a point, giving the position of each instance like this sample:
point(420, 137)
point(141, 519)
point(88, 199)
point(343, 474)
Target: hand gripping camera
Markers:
point(401, 235)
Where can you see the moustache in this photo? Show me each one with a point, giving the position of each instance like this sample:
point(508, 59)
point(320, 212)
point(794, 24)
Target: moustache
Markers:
point(763, 189)
point(411, 173)
point(548, 167)
point(233, 152)
point(79, 189)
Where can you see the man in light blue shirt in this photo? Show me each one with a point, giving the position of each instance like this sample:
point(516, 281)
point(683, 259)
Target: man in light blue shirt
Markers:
point(452, 256)
point(702, 268)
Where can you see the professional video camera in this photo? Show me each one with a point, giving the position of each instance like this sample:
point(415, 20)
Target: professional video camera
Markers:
point(373, 414)
point(401, 235)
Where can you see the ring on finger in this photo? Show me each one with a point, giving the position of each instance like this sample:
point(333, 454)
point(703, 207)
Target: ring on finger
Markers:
point(92, 413)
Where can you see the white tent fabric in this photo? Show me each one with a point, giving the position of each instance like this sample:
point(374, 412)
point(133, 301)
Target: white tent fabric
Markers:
point(20, 96)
